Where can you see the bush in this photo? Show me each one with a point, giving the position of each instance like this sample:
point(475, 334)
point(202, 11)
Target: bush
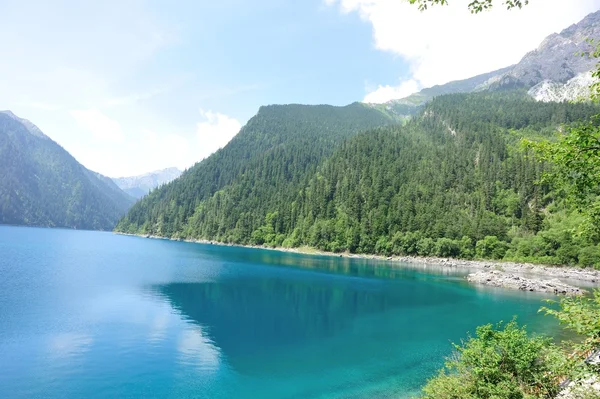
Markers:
point(467, 250)
point(446, 247)
point(491, 248)
point(406, 244)
point(500, 363)
point(426, 247)
point(409, 243)
point(383, 246)
point(567, 254)
point(590, 256)
point(335, 247)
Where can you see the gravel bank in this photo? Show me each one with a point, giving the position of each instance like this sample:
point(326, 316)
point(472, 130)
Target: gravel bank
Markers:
point(497, 278)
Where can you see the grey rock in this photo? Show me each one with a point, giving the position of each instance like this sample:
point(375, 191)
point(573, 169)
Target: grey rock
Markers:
point(495, 278)
point(556, 59)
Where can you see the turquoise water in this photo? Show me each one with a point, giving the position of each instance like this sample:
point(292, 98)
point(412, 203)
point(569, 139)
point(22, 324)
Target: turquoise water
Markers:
point(96, 315)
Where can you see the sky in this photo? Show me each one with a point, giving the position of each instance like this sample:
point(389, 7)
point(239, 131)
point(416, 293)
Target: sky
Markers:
point(133, 86)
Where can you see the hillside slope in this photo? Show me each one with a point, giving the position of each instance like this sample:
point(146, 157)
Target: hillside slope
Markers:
point(41, 184)
point(261, 168)
point(451, 182)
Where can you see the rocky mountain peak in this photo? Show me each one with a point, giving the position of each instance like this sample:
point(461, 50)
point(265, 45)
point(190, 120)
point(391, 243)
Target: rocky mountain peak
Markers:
point(557, 58)
point(554, 71)
point(587, 27)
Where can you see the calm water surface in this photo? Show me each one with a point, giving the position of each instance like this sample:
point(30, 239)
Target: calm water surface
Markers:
point(96, 315)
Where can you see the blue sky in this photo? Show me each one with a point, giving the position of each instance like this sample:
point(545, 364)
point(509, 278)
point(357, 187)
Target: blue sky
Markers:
point(132, 86)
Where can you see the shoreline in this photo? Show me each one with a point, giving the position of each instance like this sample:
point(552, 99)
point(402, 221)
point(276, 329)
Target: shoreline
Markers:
point(533, 272)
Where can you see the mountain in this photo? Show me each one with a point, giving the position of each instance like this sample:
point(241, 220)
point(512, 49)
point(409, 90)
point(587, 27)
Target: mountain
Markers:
point(41, 184)
point(556, 59)
point(552, 72)
point(457, 86)
point(451, 180)
point(138, 186)
point(574, 89)
point(276, 152)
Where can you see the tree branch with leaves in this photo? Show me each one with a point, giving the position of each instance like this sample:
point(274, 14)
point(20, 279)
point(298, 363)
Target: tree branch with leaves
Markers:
point(475, 6)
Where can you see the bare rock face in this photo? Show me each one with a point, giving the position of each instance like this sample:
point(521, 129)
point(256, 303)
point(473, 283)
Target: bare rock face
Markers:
point(556, 59)
point(574, 89)
point(496, 278)
point(554, 71)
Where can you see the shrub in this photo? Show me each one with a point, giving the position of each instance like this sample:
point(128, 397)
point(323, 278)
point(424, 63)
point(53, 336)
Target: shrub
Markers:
point(501, 362)
point(426, 247)
point(446, 247)
point(467, 250)
point(491, 248)
point(590, 256)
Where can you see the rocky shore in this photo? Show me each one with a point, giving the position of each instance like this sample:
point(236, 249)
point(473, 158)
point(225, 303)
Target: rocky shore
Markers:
point(495, 278)
point(521, 269)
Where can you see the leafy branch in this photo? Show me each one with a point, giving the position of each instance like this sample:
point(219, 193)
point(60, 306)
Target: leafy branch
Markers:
point(475, 6)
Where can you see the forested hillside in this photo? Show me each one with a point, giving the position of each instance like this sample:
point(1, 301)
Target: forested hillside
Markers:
point(41, 184)
point(451, 182)
point(276, 152)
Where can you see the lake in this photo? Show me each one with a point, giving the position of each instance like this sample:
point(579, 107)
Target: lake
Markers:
point(95, 315)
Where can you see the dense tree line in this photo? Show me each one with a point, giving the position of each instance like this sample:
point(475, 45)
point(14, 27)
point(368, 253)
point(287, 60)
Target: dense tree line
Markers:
point(278, 150)
point(451, 182)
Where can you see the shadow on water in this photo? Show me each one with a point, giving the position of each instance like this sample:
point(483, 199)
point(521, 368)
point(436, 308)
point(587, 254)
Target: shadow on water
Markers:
point(248, 317)
point(351, 266)
point(307, 324)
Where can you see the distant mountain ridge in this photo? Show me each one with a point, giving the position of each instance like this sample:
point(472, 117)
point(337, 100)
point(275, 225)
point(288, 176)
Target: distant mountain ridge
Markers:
point(457, 86)
point(41, 184)
point(138, 186)
point(552, 72)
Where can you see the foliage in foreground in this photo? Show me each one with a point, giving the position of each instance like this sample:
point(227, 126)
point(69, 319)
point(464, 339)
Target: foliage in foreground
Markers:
point(582, 316)
point(504, 362)
point(576, 172)
point(501, 362)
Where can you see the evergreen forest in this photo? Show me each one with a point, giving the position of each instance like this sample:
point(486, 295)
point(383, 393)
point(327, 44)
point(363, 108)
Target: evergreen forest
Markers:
point(455, 180)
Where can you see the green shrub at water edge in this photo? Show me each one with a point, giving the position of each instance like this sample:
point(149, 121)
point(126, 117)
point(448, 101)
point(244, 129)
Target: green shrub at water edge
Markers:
point(501, 362)
point(504, 362)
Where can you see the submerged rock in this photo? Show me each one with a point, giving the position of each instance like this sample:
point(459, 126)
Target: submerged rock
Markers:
point(496, 278)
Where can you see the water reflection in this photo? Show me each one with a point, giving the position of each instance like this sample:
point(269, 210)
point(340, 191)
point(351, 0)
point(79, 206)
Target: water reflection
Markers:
point(68, 345)
point(356, 266)
point(197, 350)
point(250, 317)
point(93, 315)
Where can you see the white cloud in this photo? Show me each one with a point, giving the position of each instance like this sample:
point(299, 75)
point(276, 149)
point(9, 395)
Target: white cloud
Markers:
point(215, 131)
point(79, 70)
point(100, 125)
point(448, 43)
point(39, 105)
point(145, 143)
point(386, 93)
point(196, 349)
